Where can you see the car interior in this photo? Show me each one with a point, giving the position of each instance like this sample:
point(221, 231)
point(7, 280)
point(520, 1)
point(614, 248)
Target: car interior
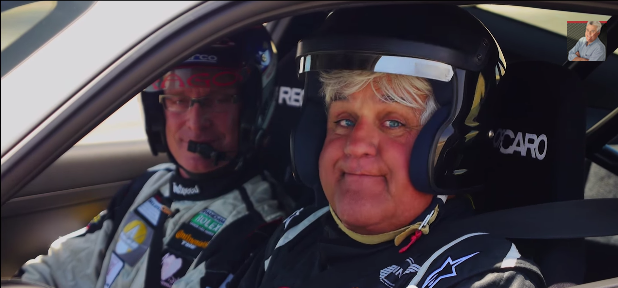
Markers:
point(74, 182)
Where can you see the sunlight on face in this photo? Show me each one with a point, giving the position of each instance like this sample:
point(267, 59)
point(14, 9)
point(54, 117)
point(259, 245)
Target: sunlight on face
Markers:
point(202, 123)
point(364, 163)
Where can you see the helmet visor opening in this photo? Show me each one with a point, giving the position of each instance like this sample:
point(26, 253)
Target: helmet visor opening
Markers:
point(377, 63)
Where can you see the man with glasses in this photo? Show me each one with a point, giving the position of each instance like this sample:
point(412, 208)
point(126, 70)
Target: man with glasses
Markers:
point(589, 47)
point(197, 221)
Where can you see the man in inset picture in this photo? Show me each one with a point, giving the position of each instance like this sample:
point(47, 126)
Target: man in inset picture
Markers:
point(589, 47)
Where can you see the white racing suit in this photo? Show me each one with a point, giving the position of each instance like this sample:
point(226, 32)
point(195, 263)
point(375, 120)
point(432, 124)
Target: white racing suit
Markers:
point(86, 260)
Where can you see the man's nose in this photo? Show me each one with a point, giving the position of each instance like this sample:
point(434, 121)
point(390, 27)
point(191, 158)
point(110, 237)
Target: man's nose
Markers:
point(198, 117)
point(363, 140)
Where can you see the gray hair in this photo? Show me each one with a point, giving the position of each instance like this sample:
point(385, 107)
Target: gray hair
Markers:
point(596, 24)
point(402, 89)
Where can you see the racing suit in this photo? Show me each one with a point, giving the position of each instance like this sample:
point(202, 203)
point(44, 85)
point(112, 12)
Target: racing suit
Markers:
point(202, 242)
point(311, 250)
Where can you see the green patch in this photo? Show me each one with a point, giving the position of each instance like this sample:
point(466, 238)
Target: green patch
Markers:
point(208, 221)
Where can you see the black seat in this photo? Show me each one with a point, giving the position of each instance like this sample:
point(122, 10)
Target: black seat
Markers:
point(289, 97)
point(537, 120)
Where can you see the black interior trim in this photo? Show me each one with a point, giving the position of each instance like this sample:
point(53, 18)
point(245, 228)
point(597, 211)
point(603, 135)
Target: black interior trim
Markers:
point(94, 164)
point(28, 235)
point(53, 200)
point(607, 158)
point(601, 133)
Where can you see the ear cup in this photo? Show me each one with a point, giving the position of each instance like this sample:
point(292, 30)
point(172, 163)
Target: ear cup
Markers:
point(307, 140)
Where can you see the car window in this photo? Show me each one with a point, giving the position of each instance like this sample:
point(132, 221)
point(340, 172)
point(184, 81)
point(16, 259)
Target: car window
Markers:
point(602, 184)
point(28, 25)
point(62, 53)
point(126, 124)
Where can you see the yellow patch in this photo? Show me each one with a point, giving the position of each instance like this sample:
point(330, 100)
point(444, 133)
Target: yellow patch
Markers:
point(136, 230)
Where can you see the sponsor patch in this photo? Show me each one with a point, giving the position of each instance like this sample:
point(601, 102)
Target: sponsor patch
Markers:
point(97, 222)
point(134, 239)
point(114, 268)
point(151, 210)
point(173, 267)
point(264, 57)
point(188, 241)
point(185, 191)
point(207, 221)
point(99, 216)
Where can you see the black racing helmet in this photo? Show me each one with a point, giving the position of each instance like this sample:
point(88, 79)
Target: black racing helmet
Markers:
point(443, 44)
point(247, 59)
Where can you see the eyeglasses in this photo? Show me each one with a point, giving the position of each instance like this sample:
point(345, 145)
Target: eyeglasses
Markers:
point(215, 103)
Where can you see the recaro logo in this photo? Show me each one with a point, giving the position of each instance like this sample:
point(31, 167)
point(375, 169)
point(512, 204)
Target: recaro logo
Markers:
point(521, 143)
point(292, 96)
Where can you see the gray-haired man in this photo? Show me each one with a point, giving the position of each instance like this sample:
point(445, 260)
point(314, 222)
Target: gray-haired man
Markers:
point(589, 47)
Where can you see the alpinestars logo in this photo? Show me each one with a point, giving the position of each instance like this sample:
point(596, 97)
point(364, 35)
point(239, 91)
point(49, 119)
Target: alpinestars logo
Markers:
point(391, 274)
point(446, 271)
point(185, 191)
point(287, 220)
point(521, 143)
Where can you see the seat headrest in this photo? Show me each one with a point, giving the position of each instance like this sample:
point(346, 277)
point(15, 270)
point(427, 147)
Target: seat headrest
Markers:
point(537, 118)
point(289, 96)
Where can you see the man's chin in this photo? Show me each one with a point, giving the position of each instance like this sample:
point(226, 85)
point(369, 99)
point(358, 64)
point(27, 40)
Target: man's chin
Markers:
point(360, 216)
point(201, 165)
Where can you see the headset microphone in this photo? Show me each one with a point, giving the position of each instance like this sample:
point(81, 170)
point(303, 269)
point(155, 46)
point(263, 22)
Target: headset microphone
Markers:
point(206, 151)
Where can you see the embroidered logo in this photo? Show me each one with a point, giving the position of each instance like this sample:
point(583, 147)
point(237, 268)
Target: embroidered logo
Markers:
point(188, 238)
point(391, 274)
point(184, 191)
point(287, 220)
point(447, 270)
point(131, 236)
point(208, 221)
